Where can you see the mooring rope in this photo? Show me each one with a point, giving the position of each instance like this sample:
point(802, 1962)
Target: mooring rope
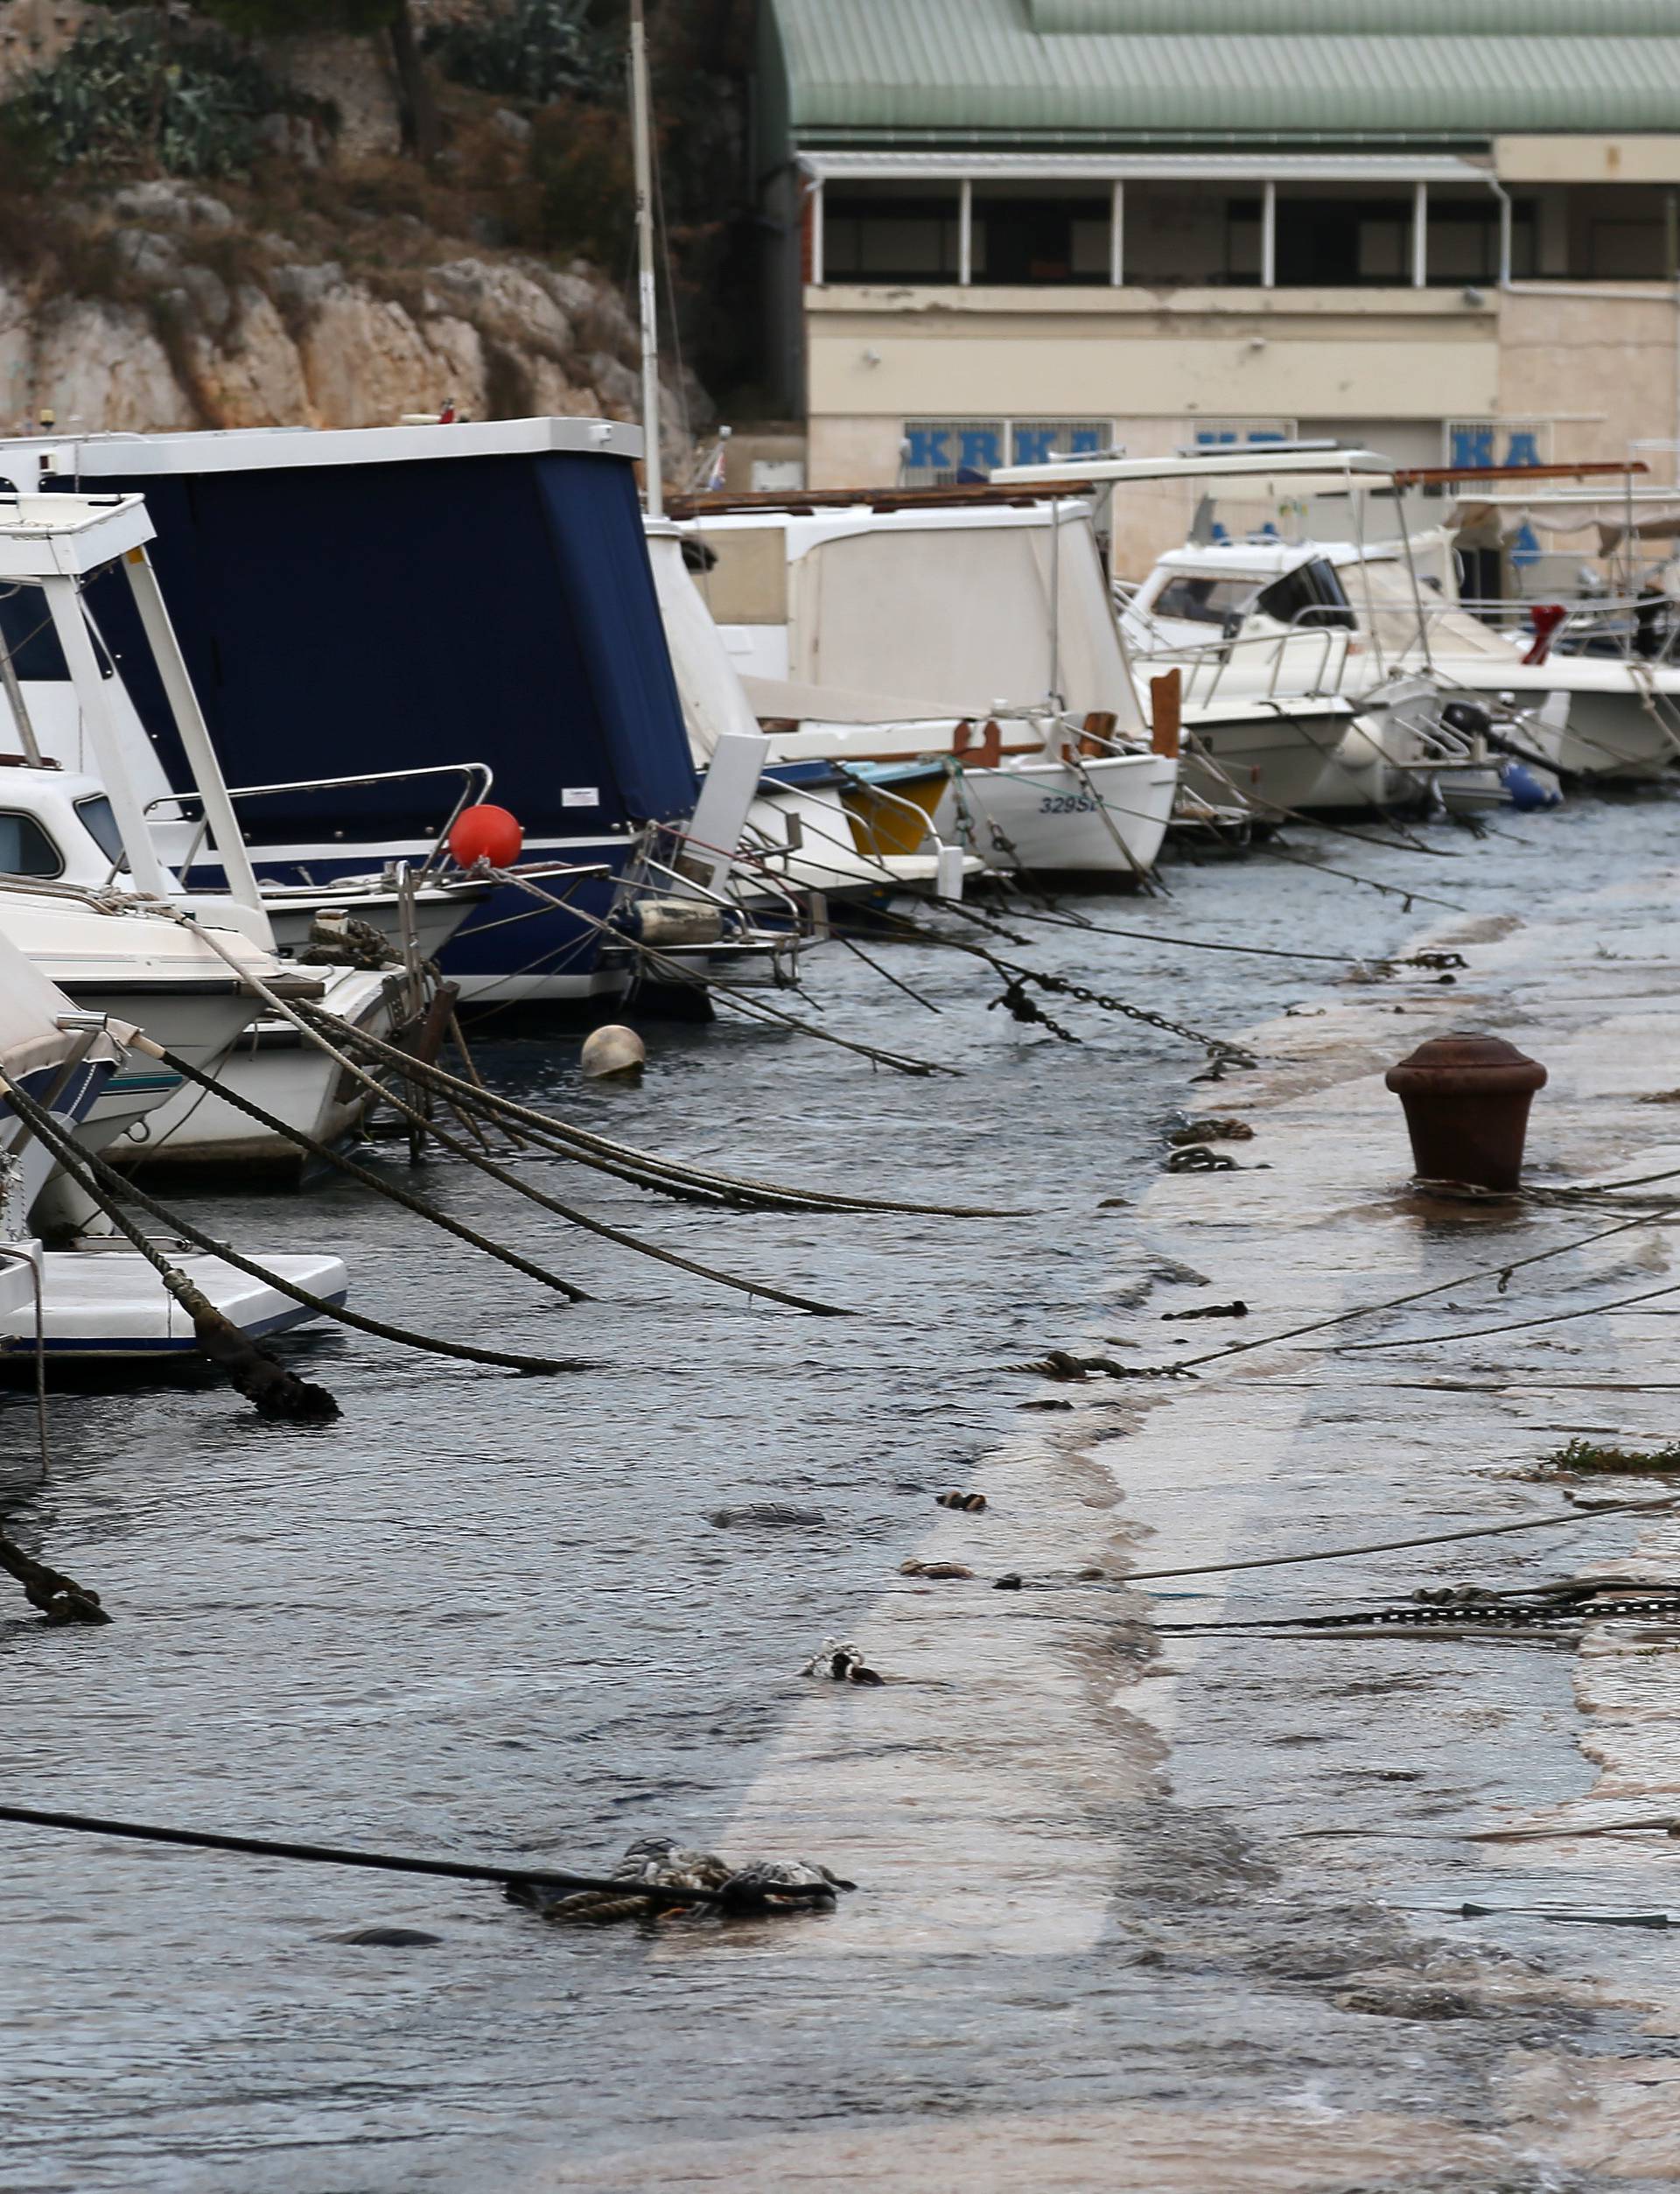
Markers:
point(337, 1855)
point(87, 1170)
point(1519, 1325)
point(628, 1163)
point(273, 1390)
point(363, 1174)
point(1393, 1546)
point(740, 1000)
point(1501, 1272)
point(523, 1188)
point(60, 1598)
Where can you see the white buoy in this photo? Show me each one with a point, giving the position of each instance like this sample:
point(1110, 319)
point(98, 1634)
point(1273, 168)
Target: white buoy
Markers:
point(613, 1053)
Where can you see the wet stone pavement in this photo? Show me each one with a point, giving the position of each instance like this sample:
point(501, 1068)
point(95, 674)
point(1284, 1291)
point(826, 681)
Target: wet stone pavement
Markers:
point(1101, 1938)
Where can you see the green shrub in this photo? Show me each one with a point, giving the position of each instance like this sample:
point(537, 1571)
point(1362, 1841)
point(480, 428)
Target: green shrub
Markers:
point(140, 92)
point(539, 50)
point(580, 167)
point(1589, 1455)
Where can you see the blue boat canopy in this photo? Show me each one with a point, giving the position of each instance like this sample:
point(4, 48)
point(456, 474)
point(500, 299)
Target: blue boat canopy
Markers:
point(384, 598)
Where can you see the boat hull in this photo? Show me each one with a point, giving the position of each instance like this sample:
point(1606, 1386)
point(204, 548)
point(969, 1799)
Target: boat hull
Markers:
point(272, 1064)
point(1621, 719)
point(1283, 757)
point(1104, 820)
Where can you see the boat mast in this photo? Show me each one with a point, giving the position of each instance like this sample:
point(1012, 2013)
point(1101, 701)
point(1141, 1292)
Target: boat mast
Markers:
point(641, 140)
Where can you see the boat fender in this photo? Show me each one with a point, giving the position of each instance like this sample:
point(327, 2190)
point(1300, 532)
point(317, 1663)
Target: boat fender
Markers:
point(614, 1053)
point(672, 922)
point(1528, 789)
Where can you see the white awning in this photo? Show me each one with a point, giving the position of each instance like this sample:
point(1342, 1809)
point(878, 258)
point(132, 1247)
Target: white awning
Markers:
point(891, 166)
point(1309, 471)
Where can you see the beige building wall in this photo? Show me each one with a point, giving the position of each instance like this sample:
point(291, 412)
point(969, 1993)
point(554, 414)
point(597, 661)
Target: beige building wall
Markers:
point(1591, 372)
point(932, 352)
point(1605, 369)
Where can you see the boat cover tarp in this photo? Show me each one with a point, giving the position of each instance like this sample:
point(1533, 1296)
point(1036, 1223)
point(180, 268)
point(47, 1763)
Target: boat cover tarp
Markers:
point(961, 613)
point(707, 681)
point(791, 700)
point(342, 617)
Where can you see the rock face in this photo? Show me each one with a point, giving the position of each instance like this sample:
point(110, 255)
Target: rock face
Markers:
point(204, 323)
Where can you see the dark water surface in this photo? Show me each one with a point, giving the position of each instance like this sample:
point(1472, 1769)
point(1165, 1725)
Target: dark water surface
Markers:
point(484, 1616)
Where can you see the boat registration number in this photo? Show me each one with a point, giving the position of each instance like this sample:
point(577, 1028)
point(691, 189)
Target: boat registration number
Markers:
point(1067, 803)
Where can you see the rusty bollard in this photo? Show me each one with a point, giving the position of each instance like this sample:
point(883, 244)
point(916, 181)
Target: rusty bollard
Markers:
point(1467, 1100)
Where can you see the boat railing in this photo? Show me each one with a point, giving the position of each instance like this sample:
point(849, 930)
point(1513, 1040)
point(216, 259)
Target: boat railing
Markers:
point(1594, 619)
point(1589, 621)
point(476, 778)
point(803, 927)
point(1324, 681)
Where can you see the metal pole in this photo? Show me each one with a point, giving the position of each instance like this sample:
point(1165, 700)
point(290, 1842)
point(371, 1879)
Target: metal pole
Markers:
point(1357, 498)
point(1055, 603)
point(64, 603)
point(965, 232)
point(1117, 237)
point(818, 243)
point(194, 733)
point(1411, 570)
point(1420, 236)
point(642, 145)
point(1269, 237)
point(19, 708)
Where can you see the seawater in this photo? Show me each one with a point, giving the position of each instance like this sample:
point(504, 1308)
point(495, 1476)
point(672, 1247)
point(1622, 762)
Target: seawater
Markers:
point(486, 1614)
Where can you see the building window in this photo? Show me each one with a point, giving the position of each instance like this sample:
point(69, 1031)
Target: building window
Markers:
point(870, 239)
point(1464, 240)
point(1032, 242)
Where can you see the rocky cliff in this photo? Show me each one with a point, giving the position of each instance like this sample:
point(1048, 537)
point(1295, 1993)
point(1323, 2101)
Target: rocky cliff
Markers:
point(337, 285)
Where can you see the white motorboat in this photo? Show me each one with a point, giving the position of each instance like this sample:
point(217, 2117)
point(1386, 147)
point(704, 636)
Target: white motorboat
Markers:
point(1615, 717)
point(57, 825)
point(98, 1301)
point(131, 960)
point(977, 638)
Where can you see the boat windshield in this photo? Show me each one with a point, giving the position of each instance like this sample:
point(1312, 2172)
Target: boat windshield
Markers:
point(1204, 601)
point(26, 850)
point(1311, 594)
point(100, 821)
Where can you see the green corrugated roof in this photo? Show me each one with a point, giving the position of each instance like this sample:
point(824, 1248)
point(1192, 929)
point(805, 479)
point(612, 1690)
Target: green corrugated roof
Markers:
point(867, 71)
point(1385, 19)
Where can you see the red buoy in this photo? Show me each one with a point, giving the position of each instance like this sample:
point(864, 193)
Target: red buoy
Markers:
point(485, 834)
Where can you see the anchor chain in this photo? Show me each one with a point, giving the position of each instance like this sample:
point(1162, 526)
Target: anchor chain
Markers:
point(1451, 1611)
point(1063, 986)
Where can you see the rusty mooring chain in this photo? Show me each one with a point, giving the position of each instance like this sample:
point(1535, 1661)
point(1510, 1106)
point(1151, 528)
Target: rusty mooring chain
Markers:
point(1024, 1008)
point(1015, 1000)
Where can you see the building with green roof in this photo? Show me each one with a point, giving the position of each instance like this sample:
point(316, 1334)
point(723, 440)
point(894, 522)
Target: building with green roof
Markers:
point(1008, 228)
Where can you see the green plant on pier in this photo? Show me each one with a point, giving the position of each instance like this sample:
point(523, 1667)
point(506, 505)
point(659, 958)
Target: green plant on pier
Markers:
point(1589, 1455)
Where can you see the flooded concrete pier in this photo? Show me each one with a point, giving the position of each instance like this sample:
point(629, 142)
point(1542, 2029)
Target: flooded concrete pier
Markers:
point(1276, 1820)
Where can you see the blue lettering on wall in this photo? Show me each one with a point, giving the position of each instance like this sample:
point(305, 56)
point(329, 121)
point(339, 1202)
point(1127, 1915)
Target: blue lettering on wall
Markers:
point(1034, 445)
point(978, 450)
point(1473, 445)
point(1524, 450)
point(927, 449)
point(1085, 441)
